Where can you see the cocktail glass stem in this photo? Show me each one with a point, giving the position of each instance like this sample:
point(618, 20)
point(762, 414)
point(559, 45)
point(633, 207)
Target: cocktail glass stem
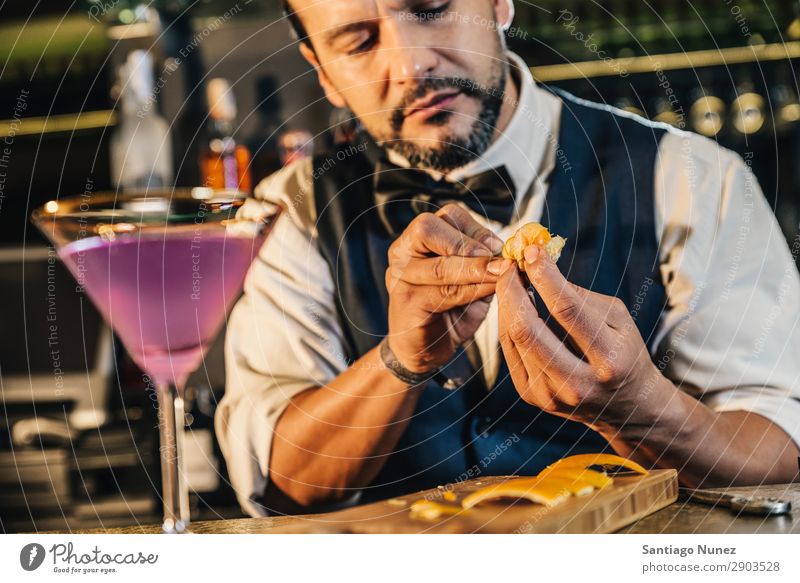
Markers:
point(174, 487)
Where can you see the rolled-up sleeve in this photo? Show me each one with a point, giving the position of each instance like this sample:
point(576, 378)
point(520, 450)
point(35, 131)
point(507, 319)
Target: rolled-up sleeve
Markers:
point(731, 334)
point(283, 338)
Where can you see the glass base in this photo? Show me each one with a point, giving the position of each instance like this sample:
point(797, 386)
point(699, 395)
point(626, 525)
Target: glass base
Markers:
point(170, 527)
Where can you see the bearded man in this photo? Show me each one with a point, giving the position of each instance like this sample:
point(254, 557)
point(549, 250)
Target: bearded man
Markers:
point(382, 347)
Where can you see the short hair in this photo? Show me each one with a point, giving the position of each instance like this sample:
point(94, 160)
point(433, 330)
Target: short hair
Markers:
point(294, 22)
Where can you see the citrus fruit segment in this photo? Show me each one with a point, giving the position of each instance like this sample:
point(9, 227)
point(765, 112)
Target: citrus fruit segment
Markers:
point(532, 234)
point(586, 460)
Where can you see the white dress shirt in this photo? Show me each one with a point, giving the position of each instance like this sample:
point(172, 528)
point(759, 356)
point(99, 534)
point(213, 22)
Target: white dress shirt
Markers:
point(730, 335)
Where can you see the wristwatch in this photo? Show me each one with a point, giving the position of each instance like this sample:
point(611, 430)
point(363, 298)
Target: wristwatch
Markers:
point(401, 372)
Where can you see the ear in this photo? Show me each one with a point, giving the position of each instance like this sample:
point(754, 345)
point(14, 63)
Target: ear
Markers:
point(504, 13)
point(331, 92)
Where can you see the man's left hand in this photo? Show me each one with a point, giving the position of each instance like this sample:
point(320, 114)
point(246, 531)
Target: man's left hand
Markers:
point(594, 380)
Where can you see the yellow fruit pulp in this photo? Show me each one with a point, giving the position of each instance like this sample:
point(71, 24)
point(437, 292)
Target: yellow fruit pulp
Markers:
point(532, 234)
point(430, 510)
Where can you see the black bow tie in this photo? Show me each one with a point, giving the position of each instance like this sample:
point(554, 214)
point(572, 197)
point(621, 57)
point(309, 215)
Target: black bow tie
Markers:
point(403, 193)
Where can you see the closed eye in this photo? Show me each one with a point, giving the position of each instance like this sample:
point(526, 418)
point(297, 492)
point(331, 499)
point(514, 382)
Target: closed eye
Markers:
point(425, 14)
point(429, 13)
point(365, 45)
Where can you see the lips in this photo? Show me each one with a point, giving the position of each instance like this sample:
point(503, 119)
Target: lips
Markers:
point(432, 103)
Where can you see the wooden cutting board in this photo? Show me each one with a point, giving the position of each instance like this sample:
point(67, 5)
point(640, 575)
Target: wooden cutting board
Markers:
point(627, 500)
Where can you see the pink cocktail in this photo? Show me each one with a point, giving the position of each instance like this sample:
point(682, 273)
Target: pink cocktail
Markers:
point(166, 296)
point(163, 268)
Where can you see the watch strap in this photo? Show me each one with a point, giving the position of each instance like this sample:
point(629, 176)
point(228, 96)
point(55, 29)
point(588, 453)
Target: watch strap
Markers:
point(401, 372)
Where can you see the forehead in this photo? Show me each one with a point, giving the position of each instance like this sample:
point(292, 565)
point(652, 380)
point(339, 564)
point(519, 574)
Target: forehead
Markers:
point(317, 15)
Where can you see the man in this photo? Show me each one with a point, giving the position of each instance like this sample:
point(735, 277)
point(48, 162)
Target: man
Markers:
point(381, 347)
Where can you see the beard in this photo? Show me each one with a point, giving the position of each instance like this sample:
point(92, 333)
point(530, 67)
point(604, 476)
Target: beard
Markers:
point(452, 151)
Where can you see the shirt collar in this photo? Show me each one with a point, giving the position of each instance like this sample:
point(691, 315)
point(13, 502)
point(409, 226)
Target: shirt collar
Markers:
point(522, 147)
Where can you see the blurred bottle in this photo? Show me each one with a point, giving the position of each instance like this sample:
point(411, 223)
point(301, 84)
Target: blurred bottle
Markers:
point(141, 150)
point(183, 75)
point(264, 143)
point(224, 164)
point(786, 105)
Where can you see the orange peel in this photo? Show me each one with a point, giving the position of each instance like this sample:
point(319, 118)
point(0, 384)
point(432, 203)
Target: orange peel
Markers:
point(555, 484)
point(586, 460)
point(583, 476)
point(575, 487)
point(533, 489)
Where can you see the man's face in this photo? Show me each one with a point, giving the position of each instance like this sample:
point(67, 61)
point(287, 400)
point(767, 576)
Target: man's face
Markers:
point(424, 77)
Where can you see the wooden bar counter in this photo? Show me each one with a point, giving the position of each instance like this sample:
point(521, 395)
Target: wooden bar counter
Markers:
point(654, 511)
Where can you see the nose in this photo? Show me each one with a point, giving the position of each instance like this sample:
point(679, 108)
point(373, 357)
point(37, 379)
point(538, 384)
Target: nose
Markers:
point(409, 56)
point(413, 62)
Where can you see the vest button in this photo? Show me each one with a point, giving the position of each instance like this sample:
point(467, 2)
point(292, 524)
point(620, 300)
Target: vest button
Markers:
point(485, 427)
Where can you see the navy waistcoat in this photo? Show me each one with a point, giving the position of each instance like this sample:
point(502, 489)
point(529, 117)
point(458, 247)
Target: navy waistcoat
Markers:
point(600, 198)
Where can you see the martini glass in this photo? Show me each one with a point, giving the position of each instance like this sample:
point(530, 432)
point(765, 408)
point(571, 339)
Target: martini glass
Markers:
point(163, 267)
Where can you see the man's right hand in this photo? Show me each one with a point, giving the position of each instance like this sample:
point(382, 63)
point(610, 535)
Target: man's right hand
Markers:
point(441, 278)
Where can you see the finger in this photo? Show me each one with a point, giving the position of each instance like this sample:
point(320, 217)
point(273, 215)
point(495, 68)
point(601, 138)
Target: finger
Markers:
point(570, 305)
point(431, 235)
point(445, 270)
point(462, 220)
point(532, 386)
point(437, 299)
point(465, 320)
point(520, 324)
point(516, 367)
